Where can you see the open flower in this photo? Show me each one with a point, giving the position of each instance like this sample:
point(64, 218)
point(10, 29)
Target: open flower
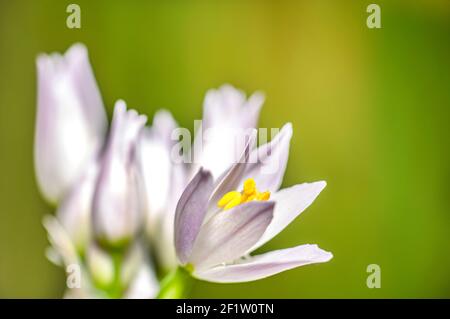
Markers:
point(227, 115)
point(219, 223)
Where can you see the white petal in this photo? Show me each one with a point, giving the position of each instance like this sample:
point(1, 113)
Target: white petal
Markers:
point(157, 168)
point(227, 118)
point(289, 203)
point(266, 265)
point(144, 285)
point(74, 213)
point(230, 233)
point(268, 162)
point(70, 122)
point(117, 206)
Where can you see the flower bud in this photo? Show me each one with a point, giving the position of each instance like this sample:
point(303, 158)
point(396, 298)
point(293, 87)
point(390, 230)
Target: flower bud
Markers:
point(117, 205)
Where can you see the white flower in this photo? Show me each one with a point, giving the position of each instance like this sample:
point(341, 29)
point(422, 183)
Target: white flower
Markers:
point(217, 223)
point(70, 123)
point(164, 181)
point(227, 115)
point(117, 206)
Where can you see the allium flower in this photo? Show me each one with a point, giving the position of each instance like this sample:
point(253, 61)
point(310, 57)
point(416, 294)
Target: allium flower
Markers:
point(227, 115)
point(70, 122)
point(219, 223)
point(117, 204)
point(94, 177)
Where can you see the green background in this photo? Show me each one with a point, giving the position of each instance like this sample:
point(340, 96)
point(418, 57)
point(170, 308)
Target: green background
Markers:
point(370, 110)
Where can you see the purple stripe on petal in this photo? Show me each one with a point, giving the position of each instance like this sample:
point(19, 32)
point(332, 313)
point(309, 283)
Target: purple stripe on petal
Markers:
point(230, 233)
point(190, 213)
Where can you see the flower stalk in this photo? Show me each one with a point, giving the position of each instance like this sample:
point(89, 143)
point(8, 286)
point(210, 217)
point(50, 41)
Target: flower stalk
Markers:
point(176, 285)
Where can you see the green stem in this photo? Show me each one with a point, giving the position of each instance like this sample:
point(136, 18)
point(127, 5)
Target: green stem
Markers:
point(176, 284)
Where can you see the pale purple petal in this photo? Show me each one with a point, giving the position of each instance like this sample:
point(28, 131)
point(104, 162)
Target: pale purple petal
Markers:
point(230, 105)
point(290, 202)
point(230, 233)
point(190, 212)
point(227, 118)
point(266, 265)
point(70, 120)
point(271, 161)
point(117, 205)
point(75, 210)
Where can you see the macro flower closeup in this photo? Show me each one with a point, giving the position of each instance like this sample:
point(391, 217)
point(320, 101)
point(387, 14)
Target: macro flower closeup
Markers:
point(128, 212)
point(234, 150)
point(218, 223)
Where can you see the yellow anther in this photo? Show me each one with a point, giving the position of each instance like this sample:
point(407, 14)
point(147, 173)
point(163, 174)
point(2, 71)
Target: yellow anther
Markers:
point(234, 201)
point(249, 193)
point(228, 197)
point(249, 187)
point(263, 196)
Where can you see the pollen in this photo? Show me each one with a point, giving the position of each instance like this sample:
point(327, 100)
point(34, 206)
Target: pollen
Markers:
point(248, 194)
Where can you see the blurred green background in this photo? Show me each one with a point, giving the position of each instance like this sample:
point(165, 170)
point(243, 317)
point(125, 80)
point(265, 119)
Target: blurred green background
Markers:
point(370, 110)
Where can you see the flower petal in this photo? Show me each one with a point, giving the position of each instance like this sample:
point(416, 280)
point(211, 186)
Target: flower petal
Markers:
point(144, 285)
point(231, 178)
point(230, 233)
point(156, 169)
point(70, 121)
point(74, 213)
point(227, 117)
point(117, 204)
point(228, 104)
point(290, 202)
point(266, 265)
point(190, 212)
point(164, 182)
point(271, 161)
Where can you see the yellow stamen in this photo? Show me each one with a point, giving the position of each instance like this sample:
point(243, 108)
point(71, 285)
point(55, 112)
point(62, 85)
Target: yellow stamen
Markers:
point(228, 198)
point(234, 202)
point(249, 187)
point(263, 196)
point(248, 194)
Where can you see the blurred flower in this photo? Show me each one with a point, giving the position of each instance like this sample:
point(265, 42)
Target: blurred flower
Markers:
point(95, 179)
point(70, 123)
point(74, 212)
point(217, 224)
point(117, 206)
point(98, 276)
point(227, 116)
point(164, 181)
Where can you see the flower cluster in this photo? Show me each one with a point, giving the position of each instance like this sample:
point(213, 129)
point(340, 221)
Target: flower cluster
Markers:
point(127, 214)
